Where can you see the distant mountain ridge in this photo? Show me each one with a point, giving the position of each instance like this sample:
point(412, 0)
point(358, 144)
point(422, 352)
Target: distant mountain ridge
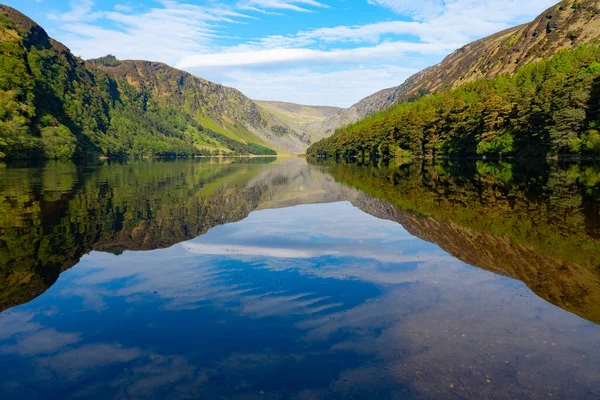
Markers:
point(55, 105)
point(367, 106)
point(305, 120)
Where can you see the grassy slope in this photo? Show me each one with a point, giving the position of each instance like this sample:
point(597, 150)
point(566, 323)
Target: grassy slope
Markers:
point(222, 109)
point(305, 120)
point(218, 108)
point(239, 132)
point(297, 115)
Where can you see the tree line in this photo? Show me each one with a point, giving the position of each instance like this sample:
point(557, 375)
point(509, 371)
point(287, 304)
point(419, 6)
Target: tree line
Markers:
point(548, 108)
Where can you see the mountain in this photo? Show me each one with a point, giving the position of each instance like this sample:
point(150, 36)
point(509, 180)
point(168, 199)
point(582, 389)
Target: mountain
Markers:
point(566, 25)
point(313, 123)
point(530, 91)
point(223, 109)
point(367, 106)
point(378, 101)
point(304, 120)
point(56, 105)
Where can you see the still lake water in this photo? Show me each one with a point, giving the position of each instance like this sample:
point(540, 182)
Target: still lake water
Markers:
point(276, 279)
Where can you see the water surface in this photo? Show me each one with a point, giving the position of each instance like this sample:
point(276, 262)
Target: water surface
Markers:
point(283, 280)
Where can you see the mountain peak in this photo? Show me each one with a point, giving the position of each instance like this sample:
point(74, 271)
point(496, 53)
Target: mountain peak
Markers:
point(29, 30)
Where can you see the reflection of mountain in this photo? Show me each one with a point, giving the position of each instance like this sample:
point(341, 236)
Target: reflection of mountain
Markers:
point(543, 233)
point(542, 229)
point(571, 286)
point(66, 211)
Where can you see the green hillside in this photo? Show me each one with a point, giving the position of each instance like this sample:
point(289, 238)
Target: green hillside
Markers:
point(548, 108)
point(54, 105)
point(567, 25)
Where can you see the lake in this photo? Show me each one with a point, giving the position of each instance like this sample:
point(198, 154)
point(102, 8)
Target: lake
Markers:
point(282, 279)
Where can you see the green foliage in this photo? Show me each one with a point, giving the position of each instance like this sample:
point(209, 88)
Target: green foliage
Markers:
point(58, 142)
point(107, 61)
point(52, 105)
point(591, 142)
point(279, 130)
point(142, 205)
point(260, 150)
point(547, 108)
point(498, 145)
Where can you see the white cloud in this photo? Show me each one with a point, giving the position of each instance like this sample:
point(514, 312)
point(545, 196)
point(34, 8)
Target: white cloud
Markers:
point(505, 11)
point(306, 86)
point(292, 5)
point(389, 50)
point(123, 8)
point(80, 11)
point(165, 33)
point(419, 9)
point(277, 66)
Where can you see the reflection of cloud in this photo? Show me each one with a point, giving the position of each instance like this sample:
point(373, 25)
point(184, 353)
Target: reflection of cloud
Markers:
point(360, 247)
point(41, 342)
point(73, 363)
point(156, 374)
point(458, 338)
point(406, 315)
point(92, 297)
point(253, 251)
point(12, 323)
point(148, 374)
point(336, 229)
point(273, 304)
point(339, 220)
point(362, 251)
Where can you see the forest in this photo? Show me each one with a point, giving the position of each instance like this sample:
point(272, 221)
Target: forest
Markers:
point(550, 108)
point(53, 106)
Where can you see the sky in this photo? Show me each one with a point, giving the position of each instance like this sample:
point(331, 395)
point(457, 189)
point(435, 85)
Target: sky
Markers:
point(318, 52)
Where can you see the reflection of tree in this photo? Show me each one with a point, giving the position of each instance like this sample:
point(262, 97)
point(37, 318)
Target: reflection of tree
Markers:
point(53, 216)
point(534, 224)
point(537, 224)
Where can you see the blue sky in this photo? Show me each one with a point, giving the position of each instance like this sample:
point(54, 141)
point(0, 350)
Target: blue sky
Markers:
point(326, 52)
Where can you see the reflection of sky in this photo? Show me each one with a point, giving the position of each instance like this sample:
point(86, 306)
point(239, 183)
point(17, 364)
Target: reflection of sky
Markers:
point(310, 302)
